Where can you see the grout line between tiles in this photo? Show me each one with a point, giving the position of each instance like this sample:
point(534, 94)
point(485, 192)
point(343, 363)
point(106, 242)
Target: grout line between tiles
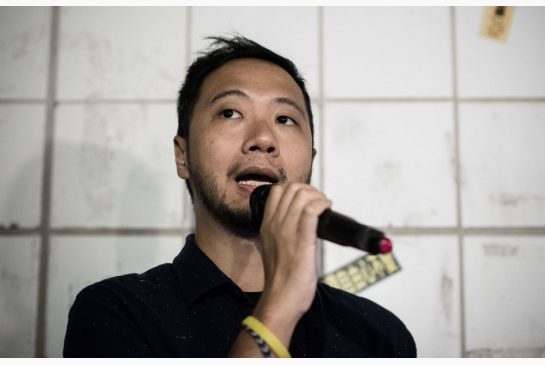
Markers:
point(501, 100)
point(188, 34)
point(40, 340)
point(115, 101)
point(460, 230)
point(22, 101)
point(426, 99)
point(99, 231)
point(185, 202)
point(401, 231)
point(387, 99)
point(537, 100)
point(469, 231)
point(321, 252)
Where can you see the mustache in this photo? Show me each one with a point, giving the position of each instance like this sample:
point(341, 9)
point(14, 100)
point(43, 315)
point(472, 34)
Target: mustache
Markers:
point(281, 172)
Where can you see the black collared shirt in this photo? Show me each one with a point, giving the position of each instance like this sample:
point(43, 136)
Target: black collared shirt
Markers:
point(191, 309)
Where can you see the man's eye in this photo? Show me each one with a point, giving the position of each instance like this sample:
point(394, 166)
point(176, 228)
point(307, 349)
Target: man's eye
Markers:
point(230, 113)
point(285, 120)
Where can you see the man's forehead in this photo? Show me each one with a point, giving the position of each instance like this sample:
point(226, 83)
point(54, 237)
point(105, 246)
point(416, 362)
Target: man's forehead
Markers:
point(238, 65)
point(257, 73)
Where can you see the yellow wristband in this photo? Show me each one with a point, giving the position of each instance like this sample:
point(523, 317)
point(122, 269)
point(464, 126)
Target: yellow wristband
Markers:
point(274, 343)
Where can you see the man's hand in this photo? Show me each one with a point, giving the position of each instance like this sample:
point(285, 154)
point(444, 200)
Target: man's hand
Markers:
point(289, 247)
point(289, 251)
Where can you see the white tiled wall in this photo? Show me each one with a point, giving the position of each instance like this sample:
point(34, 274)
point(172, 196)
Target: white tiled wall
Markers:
point(492, 69)
point(19, 258)
point(80, 256)
point(24, 42)
point(21, 161)
point(503, 172)
point(505, 291)
point(386, 130)
point(391, 164)
point(114, 166)
point(429, 283)
point(387, 52)
point(121, 53)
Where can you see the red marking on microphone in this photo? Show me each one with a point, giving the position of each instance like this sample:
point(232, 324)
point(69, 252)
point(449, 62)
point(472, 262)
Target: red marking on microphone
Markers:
point(385, 246)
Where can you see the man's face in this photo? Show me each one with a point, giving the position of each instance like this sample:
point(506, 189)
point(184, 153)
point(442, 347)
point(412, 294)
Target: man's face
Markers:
point(249, 127)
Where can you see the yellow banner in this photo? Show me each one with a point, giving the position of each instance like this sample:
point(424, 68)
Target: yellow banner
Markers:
point(363, 272)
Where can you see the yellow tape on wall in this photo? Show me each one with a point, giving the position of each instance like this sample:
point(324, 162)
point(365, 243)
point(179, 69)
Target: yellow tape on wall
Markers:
point(363, 272)
point(496, 22)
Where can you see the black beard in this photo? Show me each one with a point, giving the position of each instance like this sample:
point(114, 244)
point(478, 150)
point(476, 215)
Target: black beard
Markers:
point(236, 221)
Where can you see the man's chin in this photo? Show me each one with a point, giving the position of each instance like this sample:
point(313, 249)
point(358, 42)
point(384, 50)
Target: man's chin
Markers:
point(235, 217)
point(239, 223)
point(229, 208)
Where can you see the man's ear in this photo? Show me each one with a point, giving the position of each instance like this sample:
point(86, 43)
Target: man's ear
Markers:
point(180, 157)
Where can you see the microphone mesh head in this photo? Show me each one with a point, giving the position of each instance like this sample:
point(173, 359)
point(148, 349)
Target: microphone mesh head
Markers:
point(385, 246)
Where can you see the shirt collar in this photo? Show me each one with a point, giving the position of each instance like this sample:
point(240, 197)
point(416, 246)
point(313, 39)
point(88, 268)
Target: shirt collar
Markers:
point(196, 272)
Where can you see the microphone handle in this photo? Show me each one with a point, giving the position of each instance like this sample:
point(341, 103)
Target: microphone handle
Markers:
point(338, 228)
point(332, 226)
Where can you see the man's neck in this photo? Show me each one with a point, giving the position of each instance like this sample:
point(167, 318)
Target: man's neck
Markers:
point(236, 257)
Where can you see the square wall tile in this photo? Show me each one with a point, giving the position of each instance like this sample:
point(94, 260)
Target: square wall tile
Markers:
point(502, 164)
point(121, 52)
point(489, 68)
point(387, 52)
point(504, 296)
point(76, 262)
point(424, 293)
point(24, 46)
point(19, 262)
point(114, 167)
point(391, 164)
point(290, 31)
point(22, 134)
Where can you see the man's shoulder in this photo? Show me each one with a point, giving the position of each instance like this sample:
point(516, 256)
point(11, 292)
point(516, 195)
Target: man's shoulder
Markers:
point(106, 317)
point(158, 279)
point(365, 313)
point(351, 304)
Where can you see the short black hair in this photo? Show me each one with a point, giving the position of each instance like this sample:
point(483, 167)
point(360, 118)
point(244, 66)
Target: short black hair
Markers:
point(221, 51)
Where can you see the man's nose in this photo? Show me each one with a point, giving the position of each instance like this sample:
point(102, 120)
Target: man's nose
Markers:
point(261, 137)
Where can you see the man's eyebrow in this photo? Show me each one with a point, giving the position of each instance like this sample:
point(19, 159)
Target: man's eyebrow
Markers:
point(289, 101)
point(226, 93)
point(242, 94)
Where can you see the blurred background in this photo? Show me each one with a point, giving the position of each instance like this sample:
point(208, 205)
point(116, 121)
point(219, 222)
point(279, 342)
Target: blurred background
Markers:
point(425, 128)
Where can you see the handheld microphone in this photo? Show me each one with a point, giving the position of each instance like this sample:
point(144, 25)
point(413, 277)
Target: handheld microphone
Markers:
point(332, 226)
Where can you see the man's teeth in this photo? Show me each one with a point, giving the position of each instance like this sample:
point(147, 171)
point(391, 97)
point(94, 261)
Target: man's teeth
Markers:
point(254, 182)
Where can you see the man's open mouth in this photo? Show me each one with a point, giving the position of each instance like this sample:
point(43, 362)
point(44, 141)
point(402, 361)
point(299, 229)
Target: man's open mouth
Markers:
point(255, 180)
point(254, 176)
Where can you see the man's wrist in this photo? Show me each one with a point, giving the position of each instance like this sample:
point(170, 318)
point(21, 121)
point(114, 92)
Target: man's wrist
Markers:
point(279, 317)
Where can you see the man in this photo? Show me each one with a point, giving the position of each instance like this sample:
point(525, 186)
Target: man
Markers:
point(245, 120)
